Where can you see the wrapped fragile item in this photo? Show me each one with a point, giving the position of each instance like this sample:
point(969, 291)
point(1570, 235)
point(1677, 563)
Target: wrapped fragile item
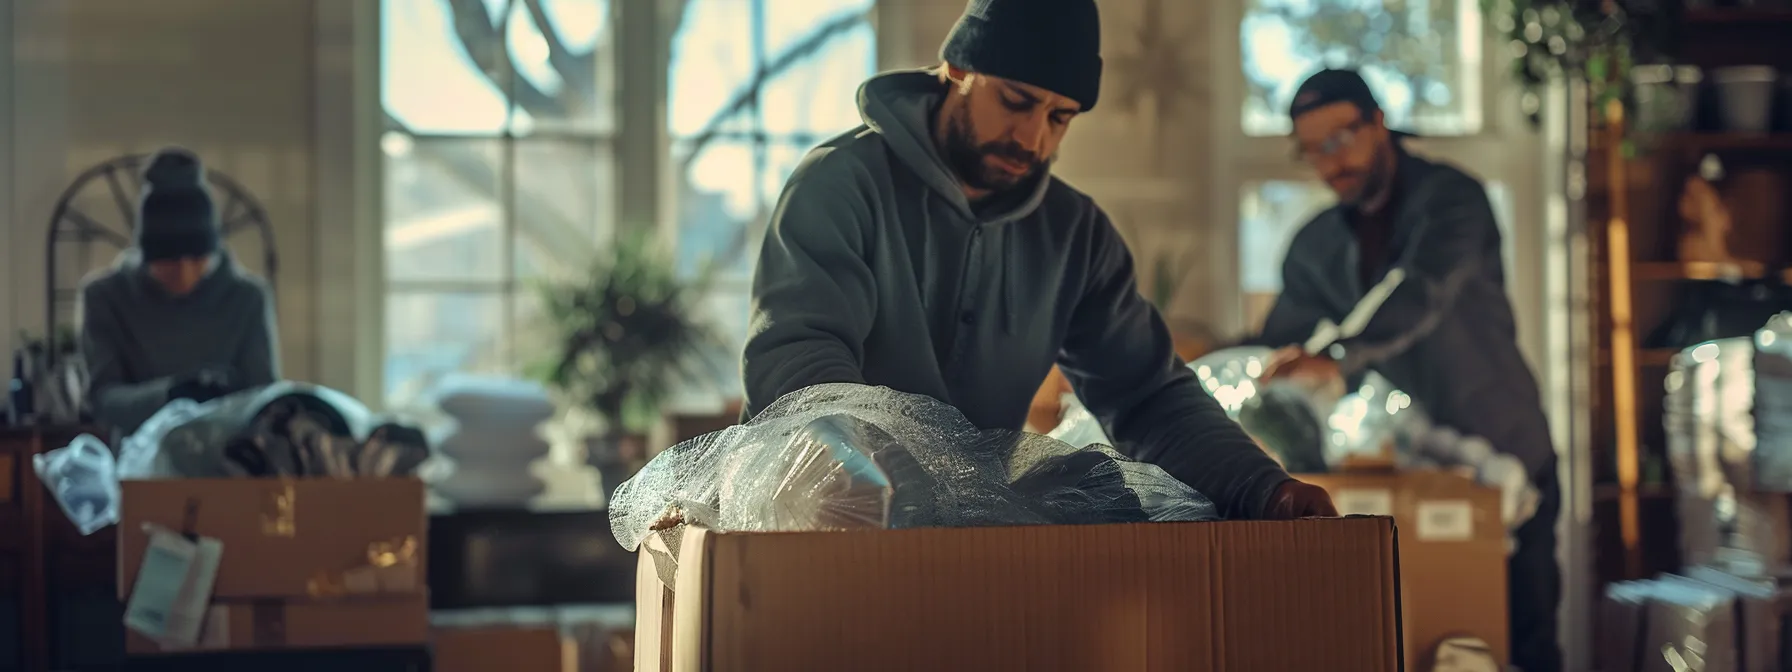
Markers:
point(1773, 405)
point(1707, 413)
point(287, 430)
point(844, 456)
point(1310, 429)
point(1706, 620)
point(1722, 472)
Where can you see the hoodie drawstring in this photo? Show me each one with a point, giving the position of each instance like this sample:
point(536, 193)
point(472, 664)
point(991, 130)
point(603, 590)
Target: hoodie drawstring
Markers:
point(1009, 255)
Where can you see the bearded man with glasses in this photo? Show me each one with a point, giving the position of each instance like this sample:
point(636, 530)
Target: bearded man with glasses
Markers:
point(1446, 335)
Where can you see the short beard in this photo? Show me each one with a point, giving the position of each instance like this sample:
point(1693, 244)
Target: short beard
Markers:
point(1378, 179)
point(966, 158)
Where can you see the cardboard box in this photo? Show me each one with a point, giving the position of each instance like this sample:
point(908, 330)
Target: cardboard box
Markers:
point(283, 539)
point(1292, 595)
point(277, 624)
point(1452, 552)
point(513, 649)
point(1752, 527)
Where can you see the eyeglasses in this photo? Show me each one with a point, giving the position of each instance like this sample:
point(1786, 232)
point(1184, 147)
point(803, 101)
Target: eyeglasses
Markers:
point(1334, 144)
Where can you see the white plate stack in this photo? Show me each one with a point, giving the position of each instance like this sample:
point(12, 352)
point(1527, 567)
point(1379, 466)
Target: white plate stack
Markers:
point(494, 441)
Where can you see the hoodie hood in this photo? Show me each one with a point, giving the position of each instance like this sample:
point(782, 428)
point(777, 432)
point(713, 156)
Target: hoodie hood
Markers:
point(900, 106)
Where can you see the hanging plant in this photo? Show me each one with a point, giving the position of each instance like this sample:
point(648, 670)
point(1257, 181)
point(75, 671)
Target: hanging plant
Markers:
point(1598, 40)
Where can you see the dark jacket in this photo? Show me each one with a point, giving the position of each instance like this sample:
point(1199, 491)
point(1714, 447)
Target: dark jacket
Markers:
point(877, 270)
point(1446, 336)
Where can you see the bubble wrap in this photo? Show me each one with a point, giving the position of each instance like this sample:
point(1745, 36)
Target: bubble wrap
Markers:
point(1312, 432)
point(1308, 433)
point(1773, 405)
point(843, 456)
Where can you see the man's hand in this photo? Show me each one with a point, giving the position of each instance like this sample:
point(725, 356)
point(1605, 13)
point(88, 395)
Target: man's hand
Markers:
point(204, 385)
point(1293, 362)
point(1294, 499)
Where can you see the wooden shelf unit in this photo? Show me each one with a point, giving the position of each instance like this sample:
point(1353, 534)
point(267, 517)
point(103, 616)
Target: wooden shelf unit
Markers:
point(1632, 210)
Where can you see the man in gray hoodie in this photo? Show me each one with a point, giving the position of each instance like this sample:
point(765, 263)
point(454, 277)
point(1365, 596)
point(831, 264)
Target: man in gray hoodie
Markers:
point(174, 318)
point(931, 251)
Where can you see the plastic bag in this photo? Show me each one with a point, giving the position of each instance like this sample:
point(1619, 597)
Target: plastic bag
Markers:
point(285, 429)
point(83, 478)
point(842, 456)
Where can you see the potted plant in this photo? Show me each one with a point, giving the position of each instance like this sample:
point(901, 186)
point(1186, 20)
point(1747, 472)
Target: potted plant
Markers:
point(623, 337)
point(1600, 40)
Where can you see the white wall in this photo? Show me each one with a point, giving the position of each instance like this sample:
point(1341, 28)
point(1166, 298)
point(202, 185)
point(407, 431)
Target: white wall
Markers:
point(231, 80)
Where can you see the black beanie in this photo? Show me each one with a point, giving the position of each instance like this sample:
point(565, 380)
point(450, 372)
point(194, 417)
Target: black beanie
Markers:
point(175, 217)
point(1052, 44)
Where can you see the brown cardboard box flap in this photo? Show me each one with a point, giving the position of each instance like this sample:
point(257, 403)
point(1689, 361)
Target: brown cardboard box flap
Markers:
point(278, 624)
point(511, 649)
point(1452, 552)
point(1307, 594)
point(283, 538)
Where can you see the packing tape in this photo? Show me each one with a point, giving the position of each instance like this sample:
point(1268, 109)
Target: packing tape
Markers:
point(666, 563)
point(390, 567)
point(279, 515)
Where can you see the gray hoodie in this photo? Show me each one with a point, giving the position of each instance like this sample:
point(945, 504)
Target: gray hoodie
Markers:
point(136, 339)
point(877, 270)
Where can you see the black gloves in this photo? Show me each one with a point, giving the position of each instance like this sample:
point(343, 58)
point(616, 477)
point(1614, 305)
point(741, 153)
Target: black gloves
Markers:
point(203, 385)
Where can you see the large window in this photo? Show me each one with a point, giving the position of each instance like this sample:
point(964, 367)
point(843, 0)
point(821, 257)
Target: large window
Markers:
point(501, 155)
point(1422, 56)
point(500, 115)
point(754, 84)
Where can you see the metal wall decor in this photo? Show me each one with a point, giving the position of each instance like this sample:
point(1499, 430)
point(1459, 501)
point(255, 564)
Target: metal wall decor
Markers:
point(121, 179)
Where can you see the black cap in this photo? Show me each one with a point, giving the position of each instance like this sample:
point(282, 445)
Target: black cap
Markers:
point(1052, 44)
point(1335, 86)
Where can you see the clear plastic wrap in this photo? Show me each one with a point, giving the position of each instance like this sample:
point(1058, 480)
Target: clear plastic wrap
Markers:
point(842, 456)
point(1773, 405)
point(285, 429)
point(1311, 431)
point(83, 478)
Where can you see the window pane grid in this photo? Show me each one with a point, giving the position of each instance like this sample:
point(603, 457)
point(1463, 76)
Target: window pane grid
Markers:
point(1423, 57)
point(474, 208)
point(728, 186)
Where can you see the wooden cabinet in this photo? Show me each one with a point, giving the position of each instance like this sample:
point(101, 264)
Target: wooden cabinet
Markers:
point(40, 550)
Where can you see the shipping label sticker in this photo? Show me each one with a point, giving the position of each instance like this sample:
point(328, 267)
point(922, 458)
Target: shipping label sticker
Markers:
point(1364, 502)
point(1446, 520)
point(161, 579)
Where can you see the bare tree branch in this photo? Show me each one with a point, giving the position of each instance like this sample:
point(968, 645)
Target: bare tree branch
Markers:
point(486, 46)
point(743, 97)
point(542, 228)
point(801, 50)
point(578, 72)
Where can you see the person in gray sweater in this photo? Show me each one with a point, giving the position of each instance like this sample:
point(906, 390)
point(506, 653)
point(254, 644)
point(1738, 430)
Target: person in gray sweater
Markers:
point(932, 251)
point(174, 317)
